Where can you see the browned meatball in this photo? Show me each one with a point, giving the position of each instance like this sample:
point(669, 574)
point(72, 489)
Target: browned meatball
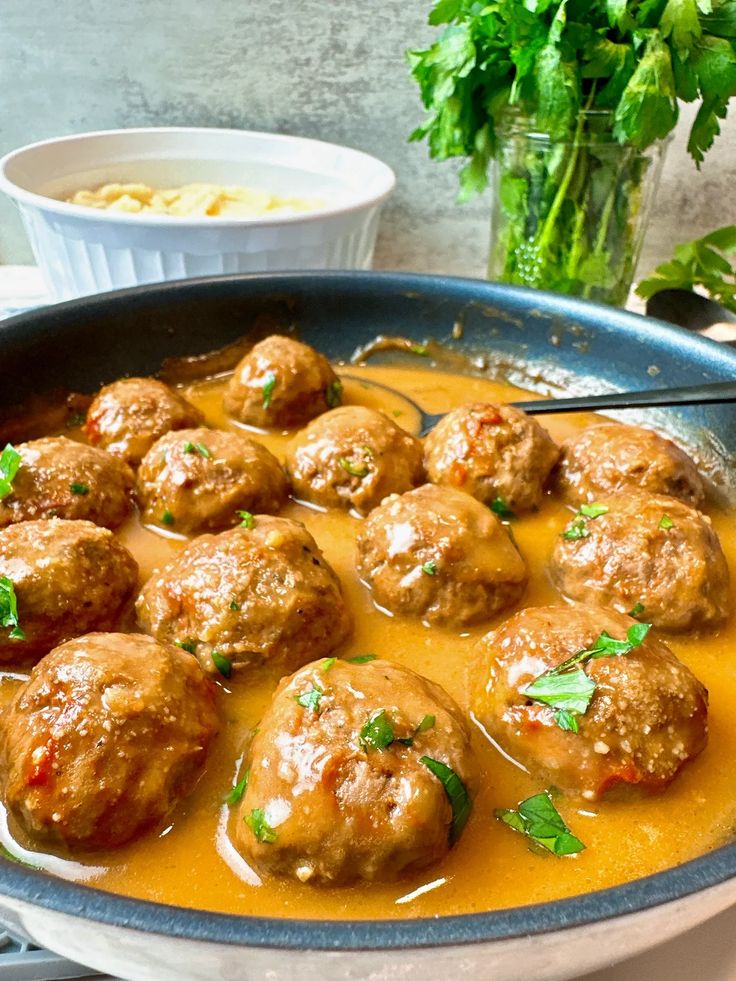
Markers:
point(281, 384)
point(248, 596)
point(647, 716)
point(650, 552)
point(604, 460)
point(60, 478)
point(68, 577)
point(128, 416)
point(110, 731)
point(339, 786)
point(196, 480)
point(491, 451)
point(439, 554)
point(353, 457)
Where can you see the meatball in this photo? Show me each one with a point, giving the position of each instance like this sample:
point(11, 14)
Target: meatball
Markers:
point(67, 577)
point(353, 457)
point(127, 417)
point(646, 718)
point(281, 384)
point(605, 460)
point(341, 786)
point(250, 595)
point(491, 451)
point(109, 732)
point(439, 554)
point(646, 551)
point(60, 478)
point(196, 480)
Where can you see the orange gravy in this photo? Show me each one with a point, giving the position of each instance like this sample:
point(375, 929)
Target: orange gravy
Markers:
point(192, 863)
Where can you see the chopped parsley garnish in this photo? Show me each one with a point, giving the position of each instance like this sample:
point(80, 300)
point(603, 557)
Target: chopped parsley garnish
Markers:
point(421, 349)
point(362, 658)
point(80, 489)
point(190, 646)
point(568, 689)
point(260, 827)
point(9, 609)
point(246, 519)
point(354, 469)
point(222, 664)
point(75, 420)
point(167, 518)
point(310, 699)
point(501, 508)
point(377, 733)
point(457, 794)
point(333, 394)
point(197, 448)
point(269, 384)
point(9, 462)
point(328, 664)
point(666, 522)
point(579, 527)
point(234, 605)
point(238, 790)
point(636, 610)
point(429, 568)
point(427, 723)
point(538, 819)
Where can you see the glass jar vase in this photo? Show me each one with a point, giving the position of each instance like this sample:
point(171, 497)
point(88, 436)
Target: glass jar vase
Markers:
point(569, 214)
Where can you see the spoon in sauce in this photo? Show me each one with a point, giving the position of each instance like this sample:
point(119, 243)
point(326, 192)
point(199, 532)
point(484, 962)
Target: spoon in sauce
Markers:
point(712, 393)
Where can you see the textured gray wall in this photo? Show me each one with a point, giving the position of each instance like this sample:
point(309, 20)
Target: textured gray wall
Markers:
point(332, 69)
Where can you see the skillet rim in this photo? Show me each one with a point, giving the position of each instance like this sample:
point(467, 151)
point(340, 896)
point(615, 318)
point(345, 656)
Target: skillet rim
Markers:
point(684, 881)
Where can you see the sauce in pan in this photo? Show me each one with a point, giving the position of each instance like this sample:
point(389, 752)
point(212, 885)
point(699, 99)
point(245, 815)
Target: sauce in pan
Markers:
point(192, 862)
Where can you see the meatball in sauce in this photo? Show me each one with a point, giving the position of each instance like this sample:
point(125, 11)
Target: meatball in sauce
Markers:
point(260, 593)
point(649, 552)
point(198, 480)
point(438, 554)
point(61, 478)
point(647, 715)
point(281, 384)
point(108, 734)
point(493, 452)
point(353, 457)
point(128, 416)
point(608, 459)
point(343, 780)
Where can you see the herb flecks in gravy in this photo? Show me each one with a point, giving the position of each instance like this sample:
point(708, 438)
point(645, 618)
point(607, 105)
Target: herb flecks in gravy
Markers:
point(192, 864)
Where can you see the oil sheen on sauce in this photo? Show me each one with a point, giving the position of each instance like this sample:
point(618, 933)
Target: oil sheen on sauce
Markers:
point(192, 863)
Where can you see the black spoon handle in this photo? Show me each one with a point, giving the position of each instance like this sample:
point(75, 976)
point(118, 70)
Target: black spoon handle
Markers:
point(706, 394)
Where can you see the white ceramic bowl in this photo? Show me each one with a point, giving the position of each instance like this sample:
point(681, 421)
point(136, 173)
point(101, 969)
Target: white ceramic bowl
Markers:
point(84, 250)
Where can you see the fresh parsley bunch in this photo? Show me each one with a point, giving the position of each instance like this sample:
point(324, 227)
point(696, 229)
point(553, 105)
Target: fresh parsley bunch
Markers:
point(709, 262)
point(626, 62)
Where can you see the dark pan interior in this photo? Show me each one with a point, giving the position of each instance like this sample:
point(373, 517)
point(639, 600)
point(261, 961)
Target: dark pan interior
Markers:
point(82, 343)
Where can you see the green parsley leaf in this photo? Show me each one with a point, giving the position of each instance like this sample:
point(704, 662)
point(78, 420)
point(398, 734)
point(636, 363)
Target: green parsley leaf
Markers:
point(666, 522)
point(501, 508)
point(456, 792)
point(10, 460)
point(310, 699)
point(538, 819)
point(362, 658)
point(593, 510)
point(636, 610)
point(222, 664)
point(269, 383)
point(579, 526)
point(354, 469)
point(75, 420)
point(430, 568)
point(247, 520)
point(327, 664)
point(238, 790)
point(566, 720)
point(190, 646)
point(14, 858)
point(333, 394)
point(234, 605)
point(260, 827)
point(570, 691)
point(421, 349)
point(167, 518)
point(377, 733)
point(9, 609)
point(427, 723)
point(708, 262)
point(80, 489)
point(197, 448)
